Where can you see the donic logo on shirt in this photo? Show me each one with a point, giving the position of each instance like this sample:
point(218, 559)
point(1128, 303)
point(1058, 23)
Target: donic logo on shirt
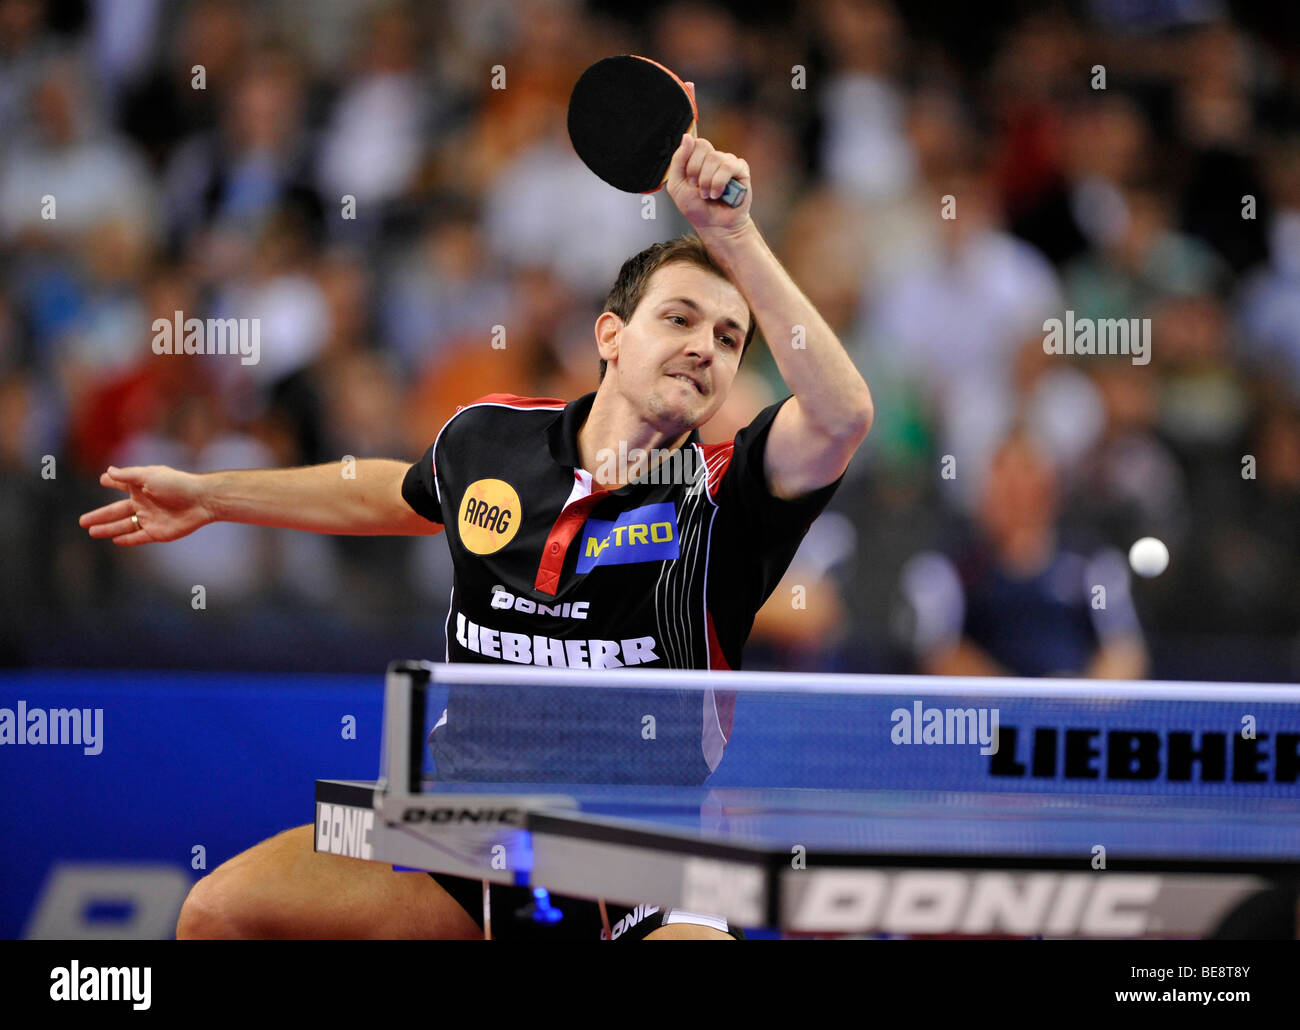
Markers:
point(648, 533)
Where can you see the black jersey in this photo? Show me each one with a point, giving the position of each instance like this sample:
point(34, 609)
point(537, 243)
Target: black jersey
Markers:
point(666, 572)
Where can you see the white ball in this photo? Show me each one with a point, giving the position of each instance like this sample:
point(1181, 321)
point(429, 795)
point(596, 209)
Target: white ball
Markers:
point(1149, 557)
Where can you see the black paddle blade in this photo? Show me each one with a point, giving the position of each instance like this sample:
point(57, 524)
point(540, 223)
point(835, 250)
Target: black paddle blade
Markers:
point(626, 119)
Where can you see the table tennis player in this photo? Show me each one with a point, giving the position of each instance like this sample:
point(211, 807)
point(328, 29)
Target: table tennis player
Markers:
point(561, 556)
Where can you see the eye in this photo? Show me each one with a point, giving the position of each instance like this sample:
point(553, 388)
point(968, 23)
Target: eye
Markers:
point(729, 341)
point(677, 319)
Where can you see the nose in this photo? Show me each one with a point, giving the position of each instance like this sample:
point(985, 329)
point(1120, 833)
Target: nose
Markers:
point(702, 346)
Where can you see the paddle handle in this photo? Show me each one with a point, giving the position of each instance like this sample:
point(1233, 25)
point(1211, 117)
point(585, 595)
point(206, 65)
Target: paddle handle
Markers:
point(734, 194)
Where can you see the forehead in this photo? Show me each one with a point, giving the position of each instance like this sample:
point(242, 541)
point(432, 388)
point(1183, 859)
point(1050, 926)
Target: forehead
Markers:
point(716, 295)
point(1022, 460)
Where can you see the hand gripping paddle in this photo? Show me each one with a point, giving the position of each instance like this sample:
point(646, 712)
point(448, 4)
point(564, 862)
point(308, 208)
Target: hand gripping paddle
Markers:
point(626, 119)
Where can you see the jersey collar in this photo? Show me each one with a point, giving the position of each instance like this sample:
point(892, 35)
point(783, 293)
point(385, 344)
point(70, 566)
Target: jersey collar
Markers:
point(562, 433)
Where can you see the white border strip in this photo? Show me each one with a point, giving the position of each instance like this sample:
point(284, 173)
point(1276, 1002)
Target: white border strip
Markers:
point(843, 683)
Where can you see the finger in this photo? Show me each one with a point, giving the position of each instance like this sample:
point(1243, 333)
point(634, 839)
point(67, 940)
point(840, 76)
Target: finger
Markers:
point(725, 172)
point(133, 539)
point(114, 484)
point(732, 169)
point(677, 167)
point(702, 149)
point(109, 512)
point(699, 155)
point(114, 529)
point(133, 475)
point(708, 172)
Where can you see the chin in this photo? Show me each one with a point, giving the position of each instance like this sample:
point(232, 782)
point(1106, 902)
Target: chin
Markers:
point(682, 415)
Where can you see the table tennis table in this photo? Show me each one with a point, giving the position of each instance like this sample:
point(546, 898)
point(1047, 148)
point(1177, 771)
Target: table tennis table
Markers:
point(1100, 810)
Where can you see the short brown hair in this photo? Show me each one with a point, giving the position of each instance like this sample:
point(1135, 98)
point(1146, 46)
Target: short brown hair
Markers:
point(634, 279)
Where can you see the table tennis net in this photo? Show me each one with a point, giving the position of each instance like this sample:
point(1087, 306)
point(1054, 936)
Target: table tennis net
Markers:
point(484, 724)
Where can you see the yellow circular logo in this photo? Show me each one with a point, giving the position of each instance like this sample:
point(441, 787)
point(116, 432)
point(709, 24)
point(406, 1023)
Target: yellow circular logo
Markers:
point(489, 515)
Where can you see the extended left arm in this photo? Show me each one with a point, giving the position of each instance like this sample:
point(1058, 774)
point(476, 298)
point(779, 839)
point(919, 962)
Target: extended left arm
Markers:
point(814, 434)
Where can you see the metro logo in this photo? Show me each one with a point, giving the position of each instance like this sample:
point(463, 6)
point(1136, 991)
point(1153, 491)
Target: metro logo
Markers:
point(659, 532)
point(648, 533)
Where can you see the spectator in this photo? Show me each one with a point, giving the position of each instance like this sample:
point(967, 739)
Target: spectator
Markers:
point(954, 324)
point(90, 174)
point(1018, 600)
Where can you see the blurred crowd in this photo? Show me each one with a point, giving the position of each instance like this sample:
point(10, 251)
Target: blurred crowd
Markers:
point(387, 186)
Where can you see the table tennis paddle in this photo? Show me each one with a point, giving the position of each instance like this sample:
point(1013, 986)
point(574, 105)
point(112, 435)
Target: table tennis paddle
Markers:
point(627, 115)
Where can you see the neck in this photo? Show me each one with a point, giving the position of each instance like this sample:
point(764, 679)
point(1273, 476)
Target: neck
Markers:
point(1027, 550)
point(611, 422)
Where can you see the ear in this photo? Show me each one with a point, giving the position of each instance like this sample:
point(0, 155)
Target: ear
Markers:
point(608, 328)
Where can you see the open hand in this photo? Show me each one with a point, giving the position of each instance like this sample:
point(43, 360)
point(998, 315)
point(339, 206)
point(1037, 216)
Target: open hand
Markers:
point(168, 504)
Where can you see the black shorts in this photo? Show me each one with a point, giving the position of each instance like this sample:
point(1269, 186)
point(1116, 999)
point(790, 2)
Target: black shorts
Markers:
point(517, 914)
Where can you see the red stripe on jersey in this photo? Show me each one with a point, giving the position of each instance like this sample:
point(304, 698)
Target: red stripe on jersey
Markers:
point(723, 700)
point(717, 660)
point(515, 401)
point(558, 540)
point(717, 466)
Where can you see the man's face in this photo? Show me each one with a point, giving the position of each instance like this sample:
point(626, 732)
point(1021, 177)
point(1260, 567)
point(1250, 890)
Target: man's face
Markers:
point(1020, 492)
point(678, 354)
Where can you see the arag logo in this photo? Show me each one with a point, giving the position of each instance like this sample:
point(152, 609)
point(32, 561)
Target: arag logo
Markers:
point(489, 516)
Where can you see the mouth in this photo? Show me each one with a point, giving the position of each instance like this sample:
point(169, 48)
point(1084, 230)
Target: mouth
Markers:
point(683, 377)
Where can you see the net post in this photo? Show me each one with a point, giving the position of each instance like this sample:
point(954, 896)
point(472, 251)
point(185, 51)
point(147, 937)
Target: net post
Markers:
point(405, 689)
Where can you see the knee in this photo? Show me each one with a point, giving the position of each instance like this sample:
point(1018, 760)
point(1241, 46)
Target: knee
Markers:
point(687, 932)
point(206, 914)
point(242, 897)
